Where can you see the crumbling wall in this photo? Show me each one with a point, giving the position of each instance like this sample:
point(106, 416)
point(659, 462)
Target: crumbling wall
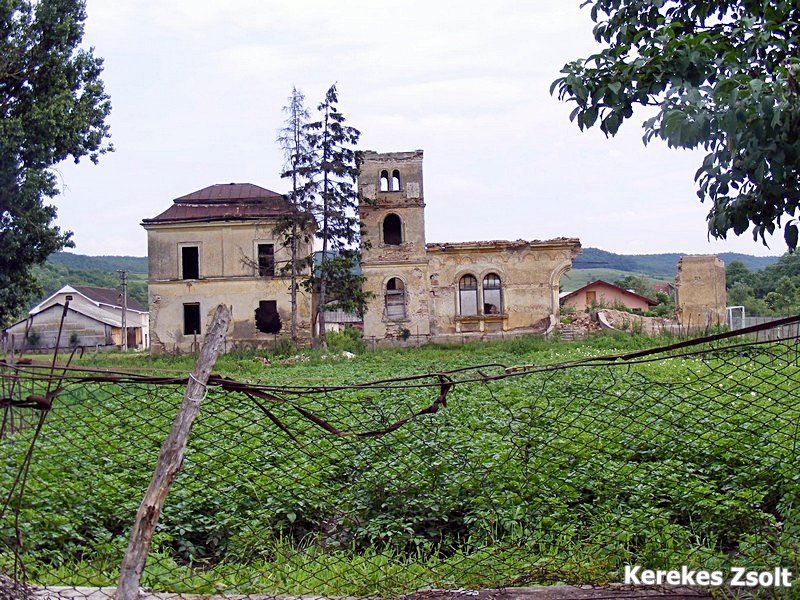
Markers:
point(700, 291)
point(529, 273)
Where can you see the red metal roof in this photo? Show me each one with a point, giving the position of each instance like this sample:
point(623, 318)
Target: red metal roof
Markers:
point(224, 202)
point(600, 282)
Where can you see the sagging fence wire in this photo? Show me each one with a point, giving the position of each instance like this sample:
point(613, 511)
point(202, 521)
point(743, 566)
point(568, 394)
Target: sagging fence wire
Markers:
point(532, 474)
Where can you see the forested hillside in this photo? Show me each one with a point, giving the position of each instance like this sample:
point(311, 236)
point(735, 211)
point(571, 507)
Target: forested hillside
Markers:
point(774, 290)
point(656, 265)
point(63, 268)
point(131, 264)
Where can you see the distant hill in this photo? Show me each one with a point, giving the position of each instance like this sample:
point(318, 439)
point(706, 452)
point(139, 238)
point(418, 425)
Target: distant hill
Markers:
point(131, 264)
point(64, 268)
point(656, 265)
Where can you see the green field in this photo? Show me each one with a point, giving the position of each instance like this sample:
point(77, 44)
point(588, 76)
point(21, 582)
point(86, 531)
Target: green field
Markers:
point(550, 475)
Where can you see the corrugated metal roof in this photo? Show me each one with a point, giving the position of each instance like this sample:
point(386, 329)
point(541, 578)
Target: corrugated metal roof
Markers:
point(224, 202)
point(109, 296)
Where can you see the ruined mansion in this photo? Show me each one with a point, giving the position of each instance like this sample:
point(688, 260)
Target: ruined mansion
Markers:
point(218, 245)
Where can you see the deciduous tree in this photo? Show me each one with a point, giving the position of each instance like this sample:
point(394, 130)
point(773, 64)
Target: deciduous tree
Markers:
point(722, 76)
point(52, 106)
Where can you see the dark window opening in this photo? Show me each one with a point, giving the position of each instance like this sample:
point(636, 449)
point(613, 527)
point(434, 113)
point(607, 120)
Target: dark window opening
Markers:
point(392, 230)
point(395, 180)
point(384, 181)
point(266, 260)
point(267, 318)
point(190, 262)
point(191, 319)
point(468, 296)
point(395, 299)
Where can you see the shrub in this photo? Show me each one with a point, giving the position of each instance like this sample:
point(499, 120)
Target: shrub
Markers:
point(283, 347)
point(349, 340)
point(33, 338)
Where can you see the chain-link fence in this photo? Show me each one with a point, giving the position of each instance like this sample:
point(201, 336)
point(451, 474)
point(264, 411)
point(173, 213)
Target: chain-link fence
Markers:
point(484, 477)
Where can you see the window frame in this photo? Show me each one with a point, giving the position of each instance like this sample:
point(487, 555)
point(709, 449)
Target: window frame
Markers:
point(182, 260)
point(466, 289)
point(493, 288)
point(267, 269)
point(186, 318)
point(395, 298)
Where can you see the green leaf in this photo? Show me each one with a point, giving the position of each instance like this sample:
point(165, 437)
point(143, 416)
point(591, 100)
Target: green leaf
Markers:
point(790, 235)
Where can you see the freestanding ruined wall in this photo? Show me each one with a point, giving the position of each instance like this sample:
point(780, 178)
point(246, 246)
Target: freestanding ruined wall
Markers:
point(700, 291)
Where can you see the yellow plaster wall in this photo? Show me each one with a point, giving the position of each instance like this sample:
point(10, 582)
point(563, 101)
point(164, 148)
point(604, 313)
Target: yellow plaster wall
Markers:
point(529, 272)
point(700, 291)
point(228, 274)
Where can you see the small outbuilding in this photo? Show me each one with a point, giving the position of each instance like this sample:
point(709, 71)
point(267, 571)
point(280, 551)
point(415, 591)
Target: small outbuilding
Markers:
point(93, 319)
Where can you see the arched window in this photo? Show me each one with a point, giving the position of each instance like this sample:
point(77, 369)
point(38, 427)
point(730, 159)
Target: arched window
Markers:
point(392, 230)
point(384, 181)
point(468, 296)
point(395, 180)
point(395, 299)
point(492, 295)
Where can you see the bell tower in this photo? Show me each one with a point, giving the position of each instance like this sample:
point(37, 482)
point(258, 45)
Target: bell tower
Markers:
point(393, 257)
point(392, 204)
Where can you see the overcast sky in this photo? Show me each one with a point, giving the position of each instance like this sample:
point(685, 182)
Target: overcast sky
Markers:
point(198, 86)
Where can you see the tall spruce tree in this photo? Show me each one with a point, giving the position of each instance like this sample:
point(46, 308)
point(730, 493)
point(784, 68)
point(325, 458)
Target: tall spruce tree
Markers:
point(296, 228)
point(52, 106)
point(335, 171)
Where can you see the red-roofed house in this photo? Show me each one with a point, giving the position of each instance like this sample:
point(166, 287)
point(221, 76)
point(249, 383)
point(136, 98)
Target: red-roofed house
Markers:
point(601, 293)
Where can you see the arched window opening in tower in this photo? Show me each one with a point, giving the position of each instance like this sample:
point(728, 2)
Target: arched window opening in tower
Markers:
point(395, 180)
point(468, 296)
point(392, 230)
point(395, 299)
point(384, 181)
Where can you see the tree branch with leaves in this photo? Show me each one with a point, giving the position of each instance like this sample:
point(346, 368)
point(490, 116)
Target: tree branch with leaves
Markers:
point(52, 107)
point(723, 77)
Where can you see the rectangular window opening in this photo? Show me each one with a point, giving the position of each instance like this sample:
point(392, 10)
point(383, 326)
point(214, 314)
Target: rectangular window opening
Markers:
point(267, 318)
point(266, 260)
point(191, 319)
point(190, 262)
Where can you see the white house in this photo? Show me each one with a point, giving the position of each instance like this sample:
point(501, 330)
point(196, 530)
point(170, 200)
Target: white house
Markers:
point(93, 319)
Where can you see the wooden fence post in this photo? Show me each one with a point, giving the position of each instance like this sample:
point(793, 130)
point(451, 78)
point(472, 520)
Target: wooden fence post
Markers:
point(170, 459)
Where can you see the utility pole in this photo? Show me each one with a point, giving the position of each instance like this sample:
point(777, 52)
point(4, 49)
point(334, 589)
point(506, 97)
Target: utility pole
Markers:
point(123, 275)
